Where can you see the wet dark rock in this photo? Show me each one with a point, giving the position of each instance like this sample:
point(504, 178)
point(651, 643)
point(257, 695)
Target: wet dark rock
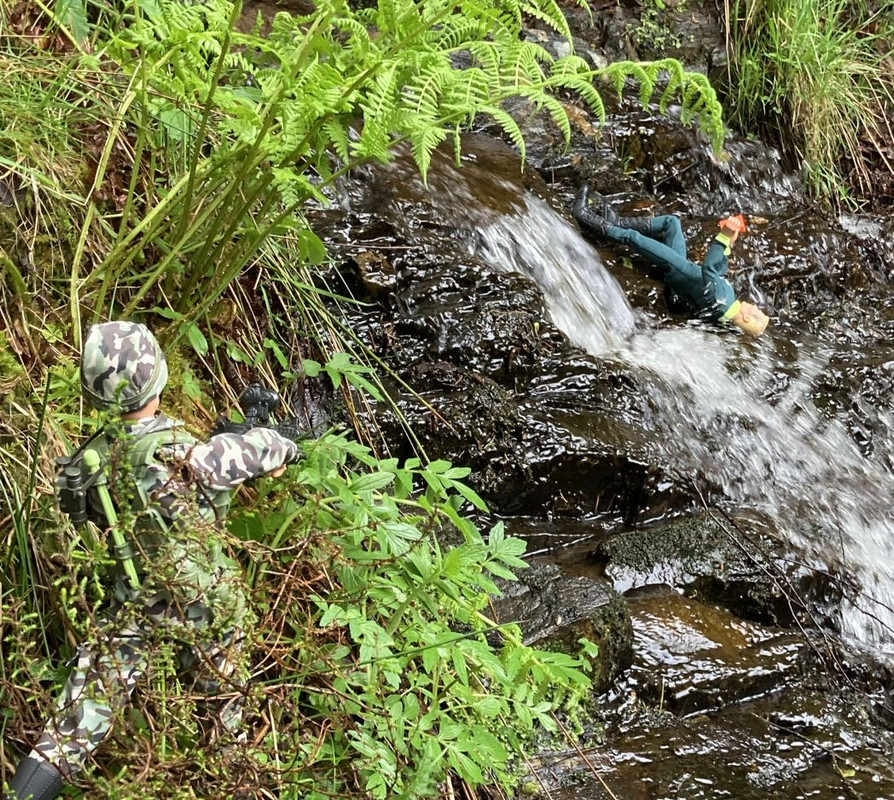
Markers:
point(715, 707)
point(545, 429)
point(468, 315)
point(726, 564)
point(634, 31)
point(554, 611)
point(741, 753)
point(528, 458)
point(694, 658)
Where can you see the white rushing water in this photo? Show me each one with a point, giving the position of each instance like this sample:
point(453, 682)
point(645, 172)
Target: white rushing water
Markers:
point(583, 299)
point(781, 459)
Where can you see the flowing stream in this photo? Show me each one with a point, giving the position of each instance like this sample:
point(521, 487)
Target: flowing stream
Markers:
point(723, 419)
point(789, 434)
point(783, 460)
point(780, 458)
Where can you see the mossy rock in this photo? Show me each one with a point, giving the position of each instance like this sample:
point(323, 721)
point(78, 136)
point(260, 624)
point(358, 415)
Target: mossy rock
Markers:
point(755, 576)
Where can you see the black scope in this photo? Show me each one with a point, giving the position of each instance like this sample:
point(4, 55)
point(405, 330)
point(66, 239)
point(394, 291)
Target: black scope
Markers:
point(258, 403)
point(70, 490)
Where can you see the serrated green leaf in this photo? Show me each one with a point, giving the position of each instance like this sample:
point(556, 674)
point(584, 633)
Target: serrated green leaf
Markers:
point(370, 482)
point(72, 14)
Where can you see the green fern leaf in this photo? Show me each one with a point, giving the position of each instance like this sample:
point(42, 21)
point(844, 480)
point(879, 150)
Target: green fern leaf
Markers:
point(559, 115)
point(588, 92)
point(423, 145)
point(72, 15)
point(548, 11)
point(509, 126)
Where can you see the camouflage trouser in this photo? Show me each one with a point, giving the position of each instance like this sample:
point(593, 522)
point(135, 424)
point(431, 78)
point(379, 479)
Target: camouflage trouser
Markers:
point(105, 674)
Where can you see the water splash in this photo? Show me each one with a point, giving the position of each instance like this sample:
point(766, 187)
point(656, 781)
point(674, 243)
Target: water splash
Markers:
point(783, 459)
point(583, 299)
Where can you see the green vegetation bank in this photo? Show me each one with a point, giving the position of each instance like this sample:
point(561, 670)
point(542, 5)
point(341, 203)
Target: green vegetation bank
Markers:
point(156, 163)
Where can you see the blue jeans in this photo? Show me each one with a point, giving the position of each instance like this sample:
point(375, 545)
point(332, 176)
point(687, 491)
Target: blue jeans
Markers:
point(702, 286)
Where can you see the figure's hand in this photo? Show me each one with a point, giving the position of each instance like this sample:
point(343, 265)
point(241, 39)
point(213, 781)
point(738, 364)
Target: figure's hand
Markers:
point(733, 234)
point(733, 226)
point(275, 473)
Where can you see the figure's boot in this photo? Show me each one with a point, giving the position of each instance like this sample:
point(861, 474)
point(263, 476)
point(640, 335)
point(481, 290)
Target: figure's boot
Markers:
point(639, 224)
point(592, 222)
point(34, 780)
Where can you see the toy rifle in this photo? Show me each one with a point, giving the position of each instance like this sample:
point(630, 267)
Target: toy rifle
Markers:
point(259, 406)
point(76, 474)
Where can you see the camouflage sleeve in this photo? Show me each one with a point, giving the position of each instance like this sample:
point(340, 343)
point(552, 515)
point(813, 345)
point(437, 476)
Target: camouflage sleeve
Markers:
point(228, 459)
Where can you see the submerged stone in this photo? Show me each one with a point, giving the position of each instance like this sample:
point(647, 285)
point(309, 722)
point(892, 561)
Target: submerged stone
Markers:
point(725, 563)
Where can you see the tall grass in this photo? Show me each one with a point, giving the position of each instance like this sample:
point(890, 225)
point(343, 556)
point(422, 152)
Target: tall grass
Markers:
point(818, 75)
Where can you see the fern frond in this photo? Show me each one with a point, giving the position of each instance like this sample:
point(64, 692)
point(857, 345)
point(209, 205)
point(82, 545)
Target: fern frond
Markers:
point(426, 88)
point(548, 11)
point(570, 65)
point(379, 107)
point(522, 68)
point(388, 19)
point(235, 60)
point(358, 33)
point(509, 126)
point(338, 138)
point(473, 92)
point(558, 114)
point(674, 82)
point(423, 143)
point(584, 87)
point(456, 33)
point(487, 55)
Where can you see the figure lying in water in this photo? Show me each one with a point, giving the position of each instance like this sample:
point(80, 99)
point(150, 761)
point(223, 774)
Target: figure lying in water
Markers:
point(699, 290)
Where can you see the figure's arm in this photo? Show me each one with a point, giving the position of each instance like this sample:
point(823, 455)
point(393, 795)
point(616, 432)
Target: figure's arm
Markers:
point(716, 261)
point(228, 459)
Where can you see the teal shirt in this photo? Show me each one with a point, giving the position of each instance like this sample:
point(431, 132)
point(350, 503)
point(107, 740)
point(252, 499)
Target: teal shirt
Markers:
point(704, 285)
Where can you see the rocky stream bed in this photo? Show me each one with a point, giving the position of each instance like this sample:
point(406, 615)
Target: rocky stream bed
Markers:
point(712, 511)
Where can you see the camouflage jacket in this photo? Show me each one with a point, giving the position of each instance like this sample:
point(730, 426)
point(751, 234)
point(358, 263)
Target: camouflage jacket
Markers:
point(178, 474)
point(178, 488)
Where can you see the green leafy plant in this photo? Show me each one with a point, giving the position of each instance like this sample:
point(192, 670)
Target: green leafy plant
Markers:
point(651, 31)
point(403, 668)
point(377, 671)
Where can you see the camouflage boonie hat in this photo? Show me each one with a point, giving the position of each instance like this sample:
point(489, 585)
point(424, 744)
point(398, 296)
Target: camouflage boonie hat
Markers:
point(122, 366)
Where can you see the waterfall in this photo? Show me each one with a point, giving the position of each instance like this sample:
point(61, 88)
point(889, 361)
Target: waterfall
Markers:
point(783, 459)
point(582, 297)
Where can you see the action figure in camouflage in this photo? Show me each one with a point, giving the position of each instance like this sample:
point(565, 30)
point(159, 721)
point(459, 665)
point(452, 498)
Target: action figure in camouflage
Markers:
point(173, 582)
